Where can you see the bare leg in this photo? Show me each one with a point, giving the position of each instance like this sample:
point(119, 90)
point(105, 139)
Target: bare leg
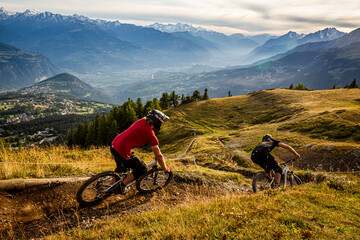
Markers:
point(277, 178)
point(129, 178)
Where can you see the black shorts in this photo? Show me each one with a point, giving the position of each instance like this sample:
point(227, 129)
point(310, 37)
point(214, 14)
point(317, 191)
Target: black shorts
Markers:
point(266, 161)
point(137, 165)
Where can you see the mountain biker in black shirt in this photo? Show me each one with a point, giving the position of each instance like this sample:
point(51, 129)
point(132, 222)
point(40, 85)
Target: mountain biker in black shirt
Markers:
point(261, 156)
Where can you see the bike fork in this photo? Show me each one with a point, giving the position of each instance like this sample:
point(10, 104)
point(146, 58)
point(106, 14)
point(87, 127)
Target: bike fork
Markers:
point(285, 180)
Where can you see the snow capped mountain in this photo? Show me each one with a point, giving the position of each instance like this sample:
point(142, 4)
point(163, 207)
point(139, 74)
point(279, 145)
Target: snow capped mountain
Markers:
point(179, 27)
point(291, 40)
point(326, 34)
point(31, 12)
point(36, 15)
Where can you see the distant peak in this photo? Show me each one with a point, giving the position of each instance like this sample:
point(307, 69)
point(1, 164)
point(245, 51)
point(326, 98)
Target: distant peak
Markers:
point(32, 12)
point(178, 27)
point(3, 11)
point(293, 35)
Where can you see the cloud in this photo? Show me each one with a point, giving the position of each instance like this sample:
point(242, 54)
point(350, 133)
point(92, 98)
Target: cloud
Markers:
point(248, 16)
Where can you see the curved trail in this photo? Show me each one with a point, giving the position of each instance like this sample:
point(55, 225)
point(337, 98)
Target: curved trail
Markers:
point(41, 211)
point(51, 207)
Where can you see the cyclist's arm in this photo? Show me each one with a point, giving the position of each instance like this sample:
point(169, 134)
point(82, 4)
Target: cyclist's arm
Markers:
point(283, 145)
point(159, 157)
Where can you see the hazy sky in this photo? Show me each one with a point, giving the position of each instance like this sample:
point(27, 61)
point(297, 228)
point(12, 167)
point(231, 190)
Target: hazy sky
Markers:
point(227, 16)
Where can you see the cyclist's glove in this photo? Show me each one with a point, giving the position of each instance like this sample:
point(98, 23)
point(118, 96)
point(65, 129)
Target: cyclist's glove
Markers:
point(167, 170)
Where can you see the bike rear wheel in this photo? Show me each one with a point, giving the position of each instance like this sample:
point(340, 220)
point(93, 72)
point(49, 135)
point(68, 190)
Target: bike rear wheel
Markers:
point(96, 189)
point(261, 182)
point(153, 180)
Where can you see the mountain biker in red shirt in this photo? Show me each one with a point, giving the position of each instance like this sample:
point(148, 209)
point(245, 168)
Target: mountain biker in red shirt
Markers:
point(261, 156)
point(138, 134)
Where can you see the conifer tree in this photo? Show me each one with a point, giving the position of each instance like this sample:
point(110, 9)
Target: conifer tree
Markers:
point(90, 138)
point(97, 124)
point(119, 117)
point(206, 96)
point(102, 130)
point(196, 96)
point(300, 86)
point(229, 94)
point(139, 108)
point(111, 115)
point(148, 107)
point(174, 99)
point(132, 103)
point(353, 84)
point(183, 99)
point(75, 136)
point(156, 104)
point(83, 130)
point(112, 132)
point(165, 101)
point(129, 116)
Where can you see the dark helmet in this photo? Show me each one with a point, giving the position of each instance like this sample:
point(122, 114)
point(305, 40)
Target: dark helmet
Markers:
point(266, 137)
point(157, 117)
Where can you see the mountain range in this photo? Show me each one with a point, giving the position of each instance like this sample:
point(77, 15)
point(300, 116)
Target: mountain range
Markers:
point(19, 68)
point(291, 40)
point(125, 59)
point(317, 65)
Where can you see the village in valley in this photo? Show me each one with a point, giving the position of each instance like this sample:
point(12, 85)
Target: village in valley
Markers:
point(24, 117)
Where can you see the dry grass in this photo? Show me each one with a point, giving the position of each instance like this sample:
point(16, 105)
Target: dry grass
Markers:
point(325, 211)
point(52, 161)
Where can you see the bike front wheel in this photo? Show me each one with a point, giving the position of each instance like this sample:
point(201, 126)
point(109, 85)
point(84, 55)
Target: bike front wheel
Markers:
point(261, 182)
point(96, 189)
point(153, 180)
point(295, 180)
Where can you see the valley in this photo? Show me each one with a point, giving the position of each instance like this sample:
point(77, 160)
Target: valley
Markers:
point(70, 83)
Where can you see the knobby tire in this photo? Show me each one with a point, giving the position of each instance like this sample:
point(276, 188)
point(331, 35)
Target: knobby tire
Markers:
point(296, 180)
point(90, 192)
point(153, 180)
point(261, 182)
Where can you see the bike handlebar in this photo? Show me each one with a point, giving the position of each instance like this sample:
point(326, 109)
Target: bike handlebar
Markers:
point(291, 160)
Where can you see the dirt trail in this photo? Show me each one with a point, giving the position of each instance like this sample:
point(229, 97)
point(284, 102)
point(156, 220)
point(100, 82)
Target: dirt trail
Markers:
point(41, 211)
point(35, 212)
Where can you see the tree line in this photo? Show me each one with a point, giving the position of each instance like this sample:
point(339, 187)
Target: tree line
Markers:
point(301, 86)
point(103, 129)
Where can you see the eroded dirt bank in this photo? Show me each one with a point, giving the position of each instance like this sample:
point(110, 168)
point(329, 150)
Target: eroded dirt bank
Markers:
point(40, 211)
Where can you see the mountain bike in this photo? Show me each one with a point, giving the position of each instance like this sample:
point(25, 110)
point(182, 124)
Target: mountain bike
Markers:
point(263, 182)
point(103, 185)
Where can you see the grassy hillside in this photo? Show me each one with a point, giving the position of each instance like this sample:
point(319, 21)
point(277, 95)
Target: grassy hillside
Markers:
point(212, 200)
point(322, 125)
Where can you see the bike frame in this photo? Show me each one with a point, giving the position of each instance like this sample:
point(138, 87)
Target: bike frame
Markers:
point(150, 165)
point(285, 171)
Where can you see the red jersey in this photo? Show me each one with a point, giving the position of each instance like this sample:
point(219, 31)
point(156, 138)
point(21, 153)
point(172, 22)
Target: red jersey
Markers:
point(137, 135)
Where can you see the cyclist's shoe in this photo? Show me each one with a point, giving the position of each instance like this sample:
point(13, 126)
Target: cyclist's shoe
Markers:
point(276, 185)
point(120, 189)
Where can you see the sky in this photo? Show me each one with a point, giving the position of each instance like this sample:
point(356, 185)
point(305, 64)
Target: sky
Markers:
point(249, 17)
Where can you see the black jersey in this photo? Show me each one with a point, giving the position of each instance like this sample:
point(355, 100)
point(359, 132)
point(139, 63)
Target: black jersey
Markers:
point(266, 146)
